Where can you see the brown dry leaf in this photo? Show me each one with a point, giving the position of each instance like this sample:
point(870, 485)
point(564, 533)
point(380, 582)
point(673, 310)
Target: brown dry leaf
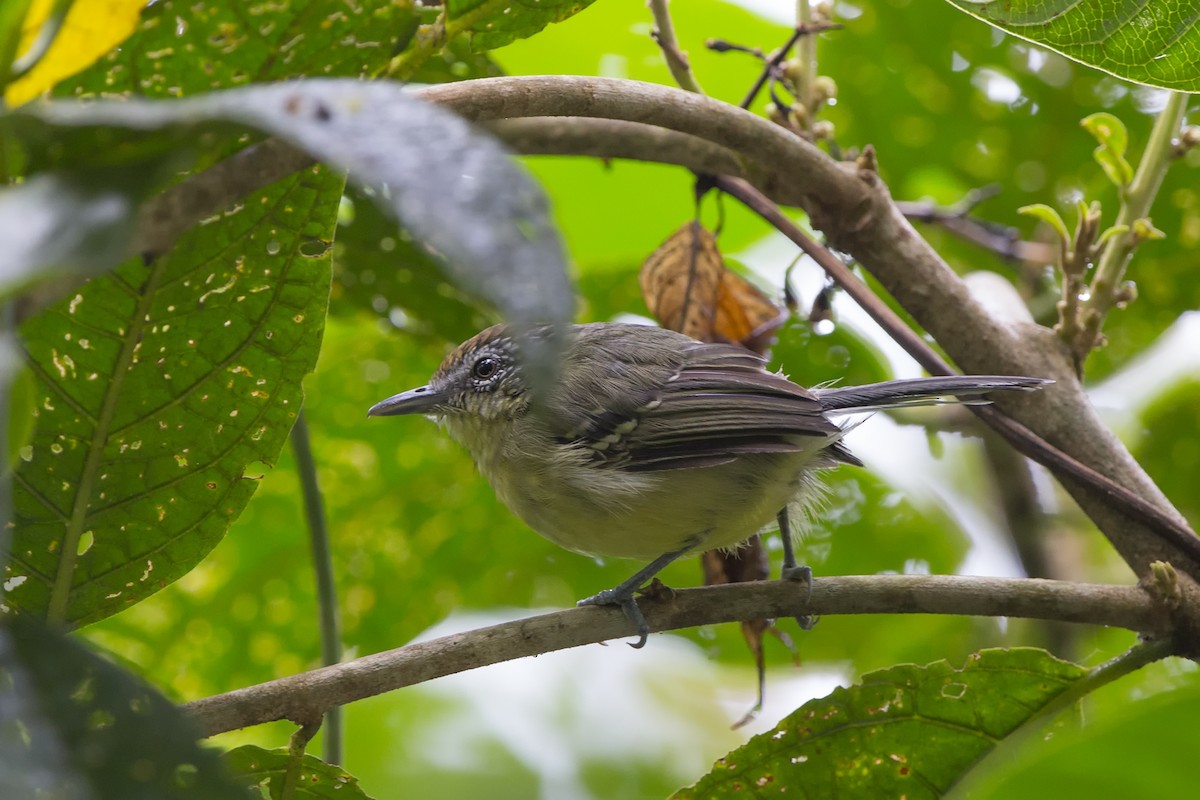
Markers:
point(688, 288)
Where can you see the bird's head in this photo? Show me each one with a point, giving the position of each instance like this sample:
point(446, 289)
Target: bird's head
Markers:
point(481, 381)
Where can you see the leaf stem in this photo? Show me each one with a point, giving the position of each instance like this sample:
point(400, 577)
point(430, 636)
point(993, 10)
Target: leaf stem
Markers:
point(1136, 201)
point(296, 745)
point(318, 531)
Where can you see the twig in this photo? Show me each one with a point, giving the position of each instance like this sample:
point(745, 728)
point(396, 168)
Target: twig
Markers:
point(304, 696)
point(769, 68)
point(318, 532)
point(1136, 202)
point(664, 35)
point(1003, 240)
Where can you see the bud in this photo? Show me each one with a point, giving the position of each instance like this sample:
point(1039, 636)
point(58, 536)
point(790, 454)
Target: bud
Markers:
point(822, 129)
point(793, 71)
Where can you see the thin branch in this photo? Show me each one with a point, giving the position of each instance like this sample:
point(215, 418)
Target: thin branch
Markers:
point(1137, 199)
point(1002, 240)
point(307, 695)
point(769, 68)
point(664, 35)
point(318, 533)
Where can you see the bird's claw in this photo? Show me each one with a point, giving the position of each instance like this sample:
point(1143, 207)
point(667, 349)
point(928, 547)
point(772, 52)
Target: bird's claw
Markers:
point(626, 602)
point(803, 575)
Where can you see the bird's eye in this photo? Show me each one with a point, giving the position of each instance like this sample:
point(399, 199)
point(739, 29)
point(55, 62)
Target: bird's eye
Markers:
point(485, 368)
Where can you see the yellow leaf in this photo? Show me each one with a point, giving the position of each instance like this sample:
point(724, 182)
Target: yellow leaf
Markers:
point(91, 29)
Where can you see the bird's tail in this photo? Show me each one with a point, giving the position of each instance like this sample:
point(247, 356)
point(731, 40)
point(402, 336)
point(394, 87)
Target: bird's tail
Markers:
point(969, 389)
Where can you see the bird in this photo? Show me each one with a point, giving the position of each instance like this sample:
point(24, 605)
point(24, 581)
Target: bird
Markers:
point(648, 444)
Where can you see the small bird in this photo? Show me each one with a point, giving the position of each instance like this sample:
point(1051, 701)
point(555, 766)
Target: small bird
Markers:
point(650, 444)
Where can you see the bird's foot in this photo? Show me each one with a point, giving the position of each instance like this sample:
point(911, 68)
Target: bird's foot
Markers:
point(623, 598)
point(801, 574)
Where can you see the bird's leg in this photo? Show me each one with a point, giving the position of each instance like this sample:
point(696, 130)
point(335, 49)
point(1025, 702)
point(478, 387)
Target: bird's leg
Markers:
point(791, 571)
point(622, 595)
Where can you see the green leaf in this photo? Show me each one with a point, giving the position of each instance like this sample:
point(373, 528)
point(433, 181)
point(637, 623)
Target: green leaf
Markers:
point(1049, 216)
point(907, 731)
point(73, 725)
point(265, 770)
point(495, 23)
point(1143, 230)
point(158, 386)
point(182, 49)
point(1152, 41)
point(1110, 155)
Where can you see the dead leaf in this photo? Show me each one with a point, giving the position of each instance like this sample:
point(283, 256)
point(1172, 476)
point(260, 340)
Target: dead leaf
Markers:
point(689, 289)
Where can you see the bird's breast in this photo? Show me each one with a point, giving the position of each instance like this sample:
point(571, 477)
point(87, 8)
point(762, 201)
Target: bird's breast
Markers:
point(610, 512)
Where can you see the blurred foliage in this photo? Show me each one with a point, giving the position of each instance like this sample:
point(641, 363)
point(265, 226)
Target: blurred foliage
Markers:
point(73, 725)
point(949, 104)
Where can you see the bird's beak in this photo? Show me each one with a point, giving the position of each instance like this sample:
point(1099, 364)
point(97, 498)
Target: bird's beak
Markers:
point(422, 400)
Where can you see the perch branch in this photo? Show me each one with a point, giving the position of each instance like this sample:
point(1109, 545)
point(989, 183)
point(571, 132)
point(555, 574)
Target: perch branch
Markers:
point(304, 697)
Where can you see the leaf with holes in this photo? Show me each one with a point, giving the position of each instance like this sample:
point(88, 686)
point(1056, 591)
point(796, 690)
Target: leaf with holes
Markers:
point(264, 770)
point(73, 725)
point(493, 23)
point(158, 385)
point(906, 731)
point(181, 48)
point(1145, 41)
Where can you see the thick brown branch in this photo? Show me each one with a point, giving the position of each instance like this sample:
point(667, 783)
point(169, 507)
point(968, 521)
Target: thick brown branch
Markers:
point(307, 696)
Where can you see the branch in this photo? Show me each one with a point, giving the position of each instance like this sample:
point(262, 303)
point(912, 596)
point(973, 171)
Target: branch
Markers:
point(1002, 240)
point(304, 697)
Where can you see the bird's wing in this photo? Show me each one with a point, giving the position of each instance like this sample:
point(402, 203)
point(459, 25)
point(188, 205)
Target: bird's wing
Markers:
point(713, 404)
